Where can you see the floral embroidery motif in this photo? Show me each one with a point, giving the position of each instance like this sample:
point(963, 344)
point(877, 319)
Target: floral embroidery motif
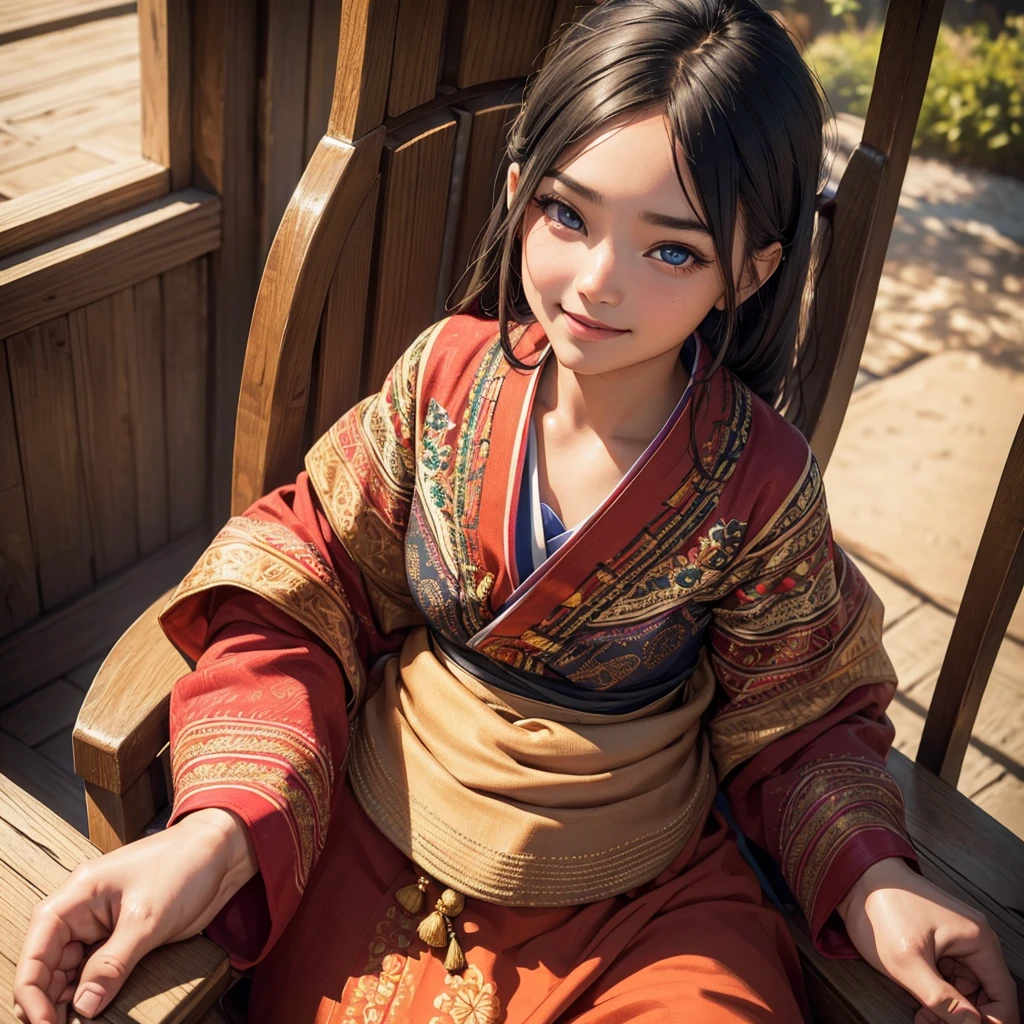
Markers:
point(711, 553)
point(471, 1000)
point(375, 996)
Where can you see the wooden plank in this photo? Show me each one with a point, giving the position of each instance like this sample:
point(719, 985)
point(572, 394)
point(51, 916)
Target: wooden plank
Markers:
point(57, 643)
point(50, 172)
point(364, 67)
point(19, 594)
point(273, 400)
point(957, 832)
point(120, 251)
point(148, 423)
point(46, 213)
point(224, 126)
point(42, 714)
point(42, 383)
point(283, 85)
point(82, 675)
point(119, 818)
point(417, 176)
point(865, 208)
point(502, 40)
point(35, 774)
point(123, 723)
point(100, 340)
point(186, 375)
point(164, 53)
point(34, 64)
point(417, 54)
point(67, 93)
point(491, 116)
point(58, 750)
point(343, 328)
point(324, 26)
point(22, 21)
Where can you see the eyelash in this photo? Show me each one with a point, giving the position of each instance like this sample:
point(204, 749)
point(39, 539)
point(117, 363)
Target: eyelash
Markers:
point(696, 260)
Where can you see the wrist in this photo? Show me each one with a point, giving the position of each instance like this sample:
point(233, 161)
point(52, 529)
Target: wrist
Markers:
point(229, 836)
point(883, 874)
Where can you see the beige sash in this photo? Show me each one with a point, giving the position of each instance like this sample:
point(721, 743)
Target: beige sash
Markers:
point(521, 803)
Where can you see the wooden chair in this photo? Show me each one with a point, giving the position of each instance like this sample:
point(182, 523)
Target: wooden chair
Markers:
point(374, 239)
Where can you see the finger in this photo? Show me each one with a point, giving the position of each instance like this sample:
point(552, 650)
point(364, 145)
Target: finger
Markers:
point(934, 993)
point(58, 982)
point(73, 955)
point(993, 978)
point(106, 970)
point(43, 948)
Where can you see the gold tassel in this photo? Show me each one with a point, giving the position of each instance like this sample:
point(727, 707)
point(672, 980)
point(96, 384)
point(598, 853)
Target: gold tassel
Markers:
point(433, 929)
point(410, 897)
point(451, 903)
point(455, 961)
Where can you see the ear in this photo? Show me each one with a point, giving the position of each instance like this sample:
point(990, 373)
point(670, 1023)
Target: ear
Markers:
point(765, 263)
point(511, 184)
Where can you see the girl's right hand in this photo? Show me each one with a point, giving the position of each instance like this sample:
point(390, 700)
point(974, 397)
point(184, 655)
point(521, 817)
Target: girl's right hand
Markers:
point(163, 888)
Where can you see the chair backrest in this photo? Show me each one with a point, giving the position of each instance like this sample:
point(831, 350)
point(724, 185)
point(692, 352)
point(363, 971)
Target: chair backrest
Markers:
point(381, 225)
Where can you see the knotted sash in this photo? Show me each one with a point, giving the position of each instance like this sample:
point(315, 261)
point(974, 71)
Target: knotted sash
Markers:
point(522, 803)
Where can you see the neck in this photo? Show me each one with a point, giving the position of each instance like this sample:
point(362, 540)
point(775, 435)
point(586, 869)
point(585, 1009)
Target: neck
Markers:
point(630, 404)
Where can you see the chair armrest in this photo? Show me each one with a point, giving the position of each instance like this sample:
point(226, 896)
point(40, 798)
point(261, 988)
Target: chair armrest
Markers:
point(122, 731)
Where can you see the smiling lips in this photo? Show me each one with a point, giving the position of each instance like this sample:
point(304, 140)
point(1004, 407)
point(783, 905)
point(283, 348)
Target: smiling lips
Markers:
point(586, 329)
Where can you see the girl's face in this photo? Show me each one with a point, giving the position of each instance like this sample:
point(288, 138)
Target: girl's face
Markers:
point(616, 267)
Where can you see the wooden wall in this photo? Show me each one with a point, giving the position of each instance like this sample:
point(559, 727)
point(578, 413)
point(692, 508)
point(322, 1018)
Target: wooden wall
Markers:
point(103, 441)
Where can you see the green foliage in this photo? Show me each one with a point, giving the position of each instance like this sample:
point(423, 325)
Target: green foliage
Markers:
point(973, 109)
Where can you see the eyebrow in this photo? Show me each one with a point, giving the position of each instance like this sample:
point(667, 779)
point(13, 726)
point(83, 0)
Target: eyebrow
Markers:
point(660, 219)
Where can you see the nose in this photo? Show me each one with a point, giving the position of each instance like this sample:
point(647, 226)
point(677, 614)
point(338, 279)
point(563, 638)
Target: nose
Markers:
point(597, 278)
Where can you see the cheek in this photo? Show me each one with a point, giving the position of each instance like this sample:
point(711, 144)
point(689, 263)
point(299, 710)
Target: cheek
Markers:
point(547, 261)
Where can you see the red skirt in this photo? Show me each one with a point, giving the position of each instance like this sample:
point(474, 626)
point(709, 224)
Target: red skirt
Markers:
point(696, 944)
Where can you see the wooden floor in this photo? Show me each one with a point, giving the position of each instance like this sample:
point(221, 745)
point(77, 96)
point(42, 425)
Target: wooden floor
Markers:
point(35, 743)
point(69, 90)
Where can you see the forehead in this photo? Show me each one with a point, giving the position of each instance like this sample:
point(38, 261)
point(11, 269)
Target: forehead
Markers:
point(630, 159)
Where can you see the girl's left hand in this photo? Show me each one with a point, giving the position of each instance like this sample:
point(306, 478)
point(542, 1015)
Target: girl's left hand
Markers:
point(940, 950)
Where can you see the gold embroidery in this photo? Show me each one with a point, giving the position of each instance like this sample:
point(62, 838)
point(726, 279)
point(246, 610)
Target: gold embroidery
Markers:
point(266, 758)
point(470, 1000)
point(384, 985)
point(363, 470)
point(797, 695)
point(268, 559)
point(833, 802)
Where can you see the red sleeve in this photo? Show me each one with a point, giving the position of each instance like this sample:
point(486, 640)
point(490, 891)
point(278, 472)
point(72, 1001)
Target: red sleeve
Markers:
point(799, 733)
point(260, 729)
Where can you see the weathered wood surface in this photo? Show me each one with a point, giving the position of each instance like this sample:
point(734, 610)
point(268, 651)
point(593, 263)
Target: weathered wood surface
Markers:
point(74, 270)
point(69, 93)
point(46, 213)
point(58, 642)
point(21, 20)
point(38, 850)
point(165, 49)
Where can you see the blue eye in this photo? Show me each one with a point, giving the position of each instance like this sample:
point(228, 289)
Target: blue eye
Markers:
point(570, 218)
point(561, 213)
point(673, 255)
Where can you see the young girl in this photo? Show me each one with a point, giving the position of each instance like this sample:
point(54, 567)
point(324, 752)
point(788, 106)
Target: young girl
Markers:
point(532, 604)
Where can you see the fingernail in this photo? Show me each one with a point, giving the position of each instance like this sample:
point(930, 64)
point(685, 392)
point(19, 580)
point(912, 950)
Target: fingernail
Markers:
point(87, 1003)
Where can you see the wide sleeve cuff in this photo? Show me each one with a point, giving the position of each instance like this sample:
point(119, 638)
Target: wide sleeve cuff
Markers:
point(843, 815)
point(851, 861)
